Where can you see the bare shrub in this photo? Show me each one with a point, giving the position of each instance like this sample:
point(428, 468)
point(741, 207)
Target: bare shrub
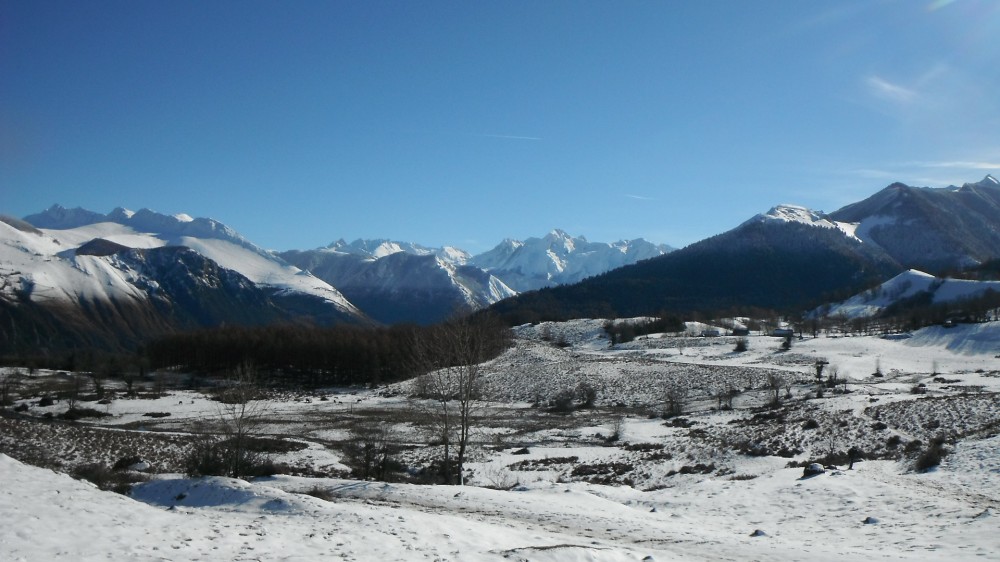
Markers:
point(587, 395)
point(932, 456)
point(675, 400)
point(320, 493)
point(106, 479)
point(370, 454)
point(499, 477)
point(563, 400)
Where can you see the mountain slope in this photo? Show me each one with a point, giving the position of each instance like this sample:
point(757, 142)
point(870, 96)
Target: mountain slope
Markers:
point(786, 259)
point(108, 285)
point(792, 257)
point(394, 287)
point(931, 229)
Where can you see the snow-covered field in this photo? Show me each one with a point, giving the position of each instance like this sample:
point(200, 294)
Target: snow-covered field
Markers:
point(555, 486)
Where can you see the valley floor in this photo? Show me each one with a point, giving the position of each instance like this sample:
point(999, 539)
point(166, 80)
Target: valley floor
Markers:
point(557, 487)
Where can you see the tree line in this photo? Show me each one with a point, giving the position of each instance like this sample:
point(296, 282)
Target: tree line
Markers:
point(318, 356)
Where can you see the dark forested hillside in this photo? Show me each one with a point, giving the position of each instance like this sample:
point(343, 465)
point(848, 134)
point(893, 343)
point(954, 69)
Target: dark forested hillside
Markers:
point(775, 265)
point(933, 230)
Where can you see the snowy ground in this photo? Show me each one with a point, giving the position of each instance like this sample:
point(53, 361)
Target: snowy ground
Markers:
point(693, 488)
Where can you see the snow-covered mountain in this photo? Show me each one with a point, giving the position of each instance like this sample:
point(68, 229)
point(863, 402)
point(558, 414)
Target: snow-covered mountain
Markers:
point(130, 275)
point(395, 282)
point(558, 259)
point(792, 256)
point(383, 247)
point(404, 282)
point(786, 258)
point(932, 229)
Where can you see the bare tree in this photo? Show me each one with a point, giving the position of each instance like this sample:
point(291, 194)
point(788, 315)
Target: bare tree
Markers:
point(775, 382)
point(241, 414)
point(450, 359)
point(675, 399)
point(9, 383)
point(724, 395)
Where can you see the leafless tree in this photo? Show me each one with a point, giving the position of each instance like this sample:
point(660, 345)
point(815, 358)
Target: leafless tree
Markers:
point(724, 395)
point(775, 382)
point(450, 358)
point(241, 414)
point(9, 383)
point(675, 399)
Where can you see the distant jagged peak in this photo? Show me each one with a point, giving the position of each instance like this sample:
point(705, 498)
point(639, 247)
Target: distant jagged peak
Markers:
point(59, 217)
point(172, 227)
point(120, 214)
point(988, 182)
point(382, 247)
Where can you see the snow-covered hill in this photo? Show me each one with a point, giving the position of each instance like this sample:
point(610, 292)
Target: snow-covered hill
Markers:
point(907, 285)
point(393, 282)
point(210, 238)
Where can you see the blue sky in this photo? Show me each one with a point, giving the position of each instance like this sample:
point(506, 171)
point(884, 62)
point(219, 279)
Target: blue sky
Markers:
point(464, 123)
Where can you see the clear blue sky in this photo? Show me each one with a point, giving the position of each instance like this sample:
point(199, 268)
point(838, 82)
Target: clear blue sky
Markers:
point(463, 123)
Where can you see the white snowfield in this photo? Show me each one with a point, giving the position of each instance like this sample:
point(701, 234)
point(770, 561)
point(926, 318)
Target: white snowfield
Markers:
point(879, 510)
point(49, 516)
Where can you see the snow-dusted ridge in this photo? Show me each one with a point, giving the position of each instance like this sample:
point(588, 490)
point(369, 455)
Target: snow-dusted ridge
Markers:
point(49, 262)
point(806, 216)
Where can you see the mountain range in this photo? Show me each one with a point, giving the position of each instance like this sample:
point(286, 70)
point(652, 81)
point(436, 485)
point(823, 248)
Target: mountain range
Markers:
point(791, 258)
point(72, 277)
point(403, 282)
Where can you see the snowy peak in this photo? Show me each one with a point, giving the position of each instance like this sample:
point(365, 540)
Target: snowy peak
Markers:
point(559, 258)
point(795, 214)
point(79, 237)
point(59, 217)
point(380, 248)
point(989, 182)
point(171, 228)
